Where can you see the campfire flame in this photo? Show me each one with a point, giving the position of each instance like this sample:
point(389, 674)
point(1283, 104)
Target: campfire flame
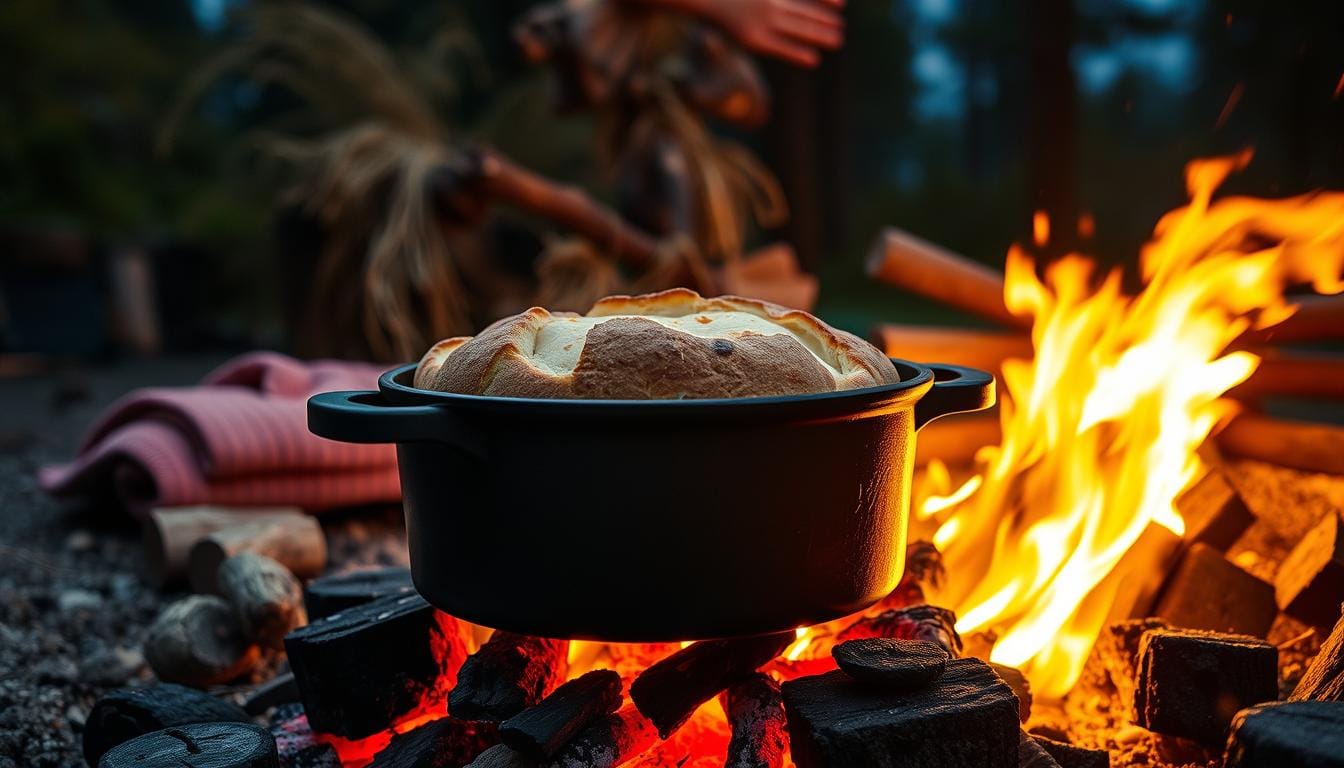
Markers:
point(1101, 429)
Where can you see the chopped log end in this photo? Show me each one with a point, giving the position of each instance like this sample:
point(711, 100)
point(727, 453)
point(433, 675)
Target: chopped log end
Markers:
point(1309, 734)
point(760, 730)
point(900, 665)
point(199, 641)
point(538, 732)
point(1310, 582)
point(1214, 512)
point(669, 692)
point(1208, 592)
point(968, 716)
point(264, 594)
point(443, 743)
point(122, 715)
point(609, 742)
point(510, 673)
point(1191, 683)
point(295, 541)
point(169, 533)
point(1324, 678)
point(326, 595)
point(217, 745)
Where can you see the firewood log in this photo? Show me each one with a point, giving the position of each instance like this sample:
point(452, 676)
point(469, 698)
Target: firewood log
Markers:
point(326, 595)
point(281, 689)
point(1324, 678)
point(1303, 734)
point(1318, 318)
point(264, 594)
point(295, 541)
point(199, 641)
point(443, 743)
point(903, 260)
point(501, 756)
point(510, 673)
point(124, 714)
point(1310, 583)
point(206, 745)
point(669, 692)
point(755, 710)
point(1295, 444)
point(917, 622)
point(364, 669)
point(538, 732)
point(169, 533)
point(611, 741)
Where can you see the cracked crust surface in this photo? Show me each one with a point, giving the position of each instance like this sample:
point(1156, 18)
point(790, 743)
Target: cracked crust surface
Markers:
point(669, 345)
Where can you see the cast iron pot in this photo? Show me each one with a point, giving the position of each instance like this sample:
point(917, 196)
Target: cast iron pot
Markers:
point(654, 520)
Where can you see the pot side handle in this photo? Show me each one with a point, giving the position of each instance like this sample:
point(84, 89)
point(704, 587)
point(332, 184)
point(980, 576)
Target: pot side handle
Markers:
point(363, 417)
point(956, 389)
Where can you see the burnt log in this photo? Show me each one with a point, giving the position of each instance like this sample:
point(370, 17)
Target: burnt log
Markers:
point(1310, 583)
point(510, 673)
point(1208, 592)
point(264, 594)
point(1070, 756)
point(169, 533)
point(501, 756)
point(279, 690)
point(1213, 511)
point(917, 622)
point(1030, 754)
point(538, 732)
point(1117, 651)
point(1191, 683)
point(364, 669)
point(967, 717)
point(1304, 734)
point(755, 710)
point(295, 541)
point(899, 665)
point(1021, 687)
point(1324, 678)
point(326, 595)
point(199, 641)
point(669, 692)
point(443, 743)
point(611, 741)
point(197, 745)
point(122, 715)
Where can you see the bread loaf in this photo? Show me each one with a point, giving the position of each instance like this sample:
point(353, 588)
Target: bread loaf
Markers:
point(669, 345)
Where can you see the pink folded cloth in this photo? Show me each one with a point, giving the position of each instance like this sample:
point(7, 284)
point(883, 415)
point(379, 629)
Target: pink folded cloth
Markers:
point(240, 439)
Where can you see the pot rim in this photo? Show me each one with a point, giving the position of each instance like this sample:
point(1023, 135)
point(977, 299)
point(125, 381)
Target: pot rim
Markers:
point(915, 381)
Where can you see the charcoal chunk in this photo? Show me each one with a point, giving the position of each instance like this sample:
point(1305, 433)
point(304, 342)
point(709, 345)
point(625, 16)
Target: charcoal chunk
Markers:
point(1310, 582)
point(1303, 734)
point(1192, 683)
point(900, 665)
point(967, 717)
point(1208, 592)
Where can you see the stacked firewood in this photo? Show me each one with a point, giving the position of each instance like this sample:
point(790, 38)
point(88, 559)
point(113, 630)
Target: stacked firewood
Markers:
point(905, 261)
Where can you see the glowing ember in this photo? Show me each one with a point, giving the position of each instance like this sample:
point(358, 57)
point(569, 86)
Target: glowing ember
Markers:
point(1100, 430)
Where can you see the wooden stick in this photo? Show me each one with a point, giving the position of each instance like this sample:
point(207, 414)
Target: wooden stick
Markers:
point(540, 731)
point(899, 258)
point(755, 712)
point(1295, 444)
point(566, 205)
point(169, 533)
point(1324, 679)
point(510, 673)
point(294, 541)
point(1318, 318)
point(609, 742)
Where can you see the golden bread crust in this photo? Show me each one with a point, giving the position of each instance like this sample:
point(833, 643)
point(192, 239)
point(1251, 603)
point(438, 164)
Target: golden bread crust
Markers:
point(668, 345)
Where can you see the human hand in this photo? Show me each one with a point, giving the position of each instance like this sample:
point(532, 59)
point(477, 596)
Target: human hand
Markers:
point(792, 30)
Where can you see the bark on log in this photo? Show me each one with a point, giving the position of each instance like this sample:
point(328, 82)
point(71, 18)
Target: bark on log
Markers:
point(443, 743)
point(199, 641)
point(917, 622)
point(130, 712)
point(899, 258)
point(294, 541)
point(669, 692)
point(614, 740)
point(755, 709)
point(264, 594)
point(326, 595)
point(510, 673)
point(169, 533)
point(198, 745)
point(539, 732)
point(1324, 678)
point(364, 669)
point(1303, 734)
point(1295, 444)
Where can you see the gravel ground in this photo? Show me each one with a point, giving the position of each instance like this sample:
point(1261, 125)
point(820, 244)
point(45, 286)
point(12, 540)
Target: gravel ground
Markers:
point(73, 611)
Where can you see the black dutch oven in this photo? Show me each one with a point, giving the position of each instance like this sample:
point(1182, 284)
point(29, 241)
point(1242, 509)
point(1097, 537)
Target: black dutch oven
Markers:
point(657, 520)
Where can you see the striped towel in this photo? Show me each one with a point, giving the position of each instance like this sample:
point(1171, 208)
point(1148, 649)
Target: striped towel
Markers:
point(239, 439)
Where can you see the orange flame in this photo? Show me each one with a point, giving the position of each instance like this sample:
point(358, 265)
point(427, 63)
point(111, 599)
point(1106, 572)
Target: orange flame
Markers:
point(1100, 429)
